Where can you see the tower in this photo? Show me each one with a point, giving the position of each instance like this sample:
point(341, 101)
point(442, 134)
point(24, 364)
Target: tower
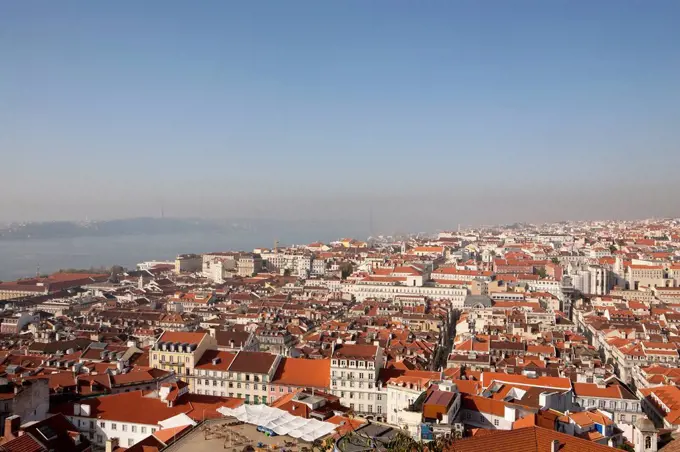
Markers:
point(645, 436)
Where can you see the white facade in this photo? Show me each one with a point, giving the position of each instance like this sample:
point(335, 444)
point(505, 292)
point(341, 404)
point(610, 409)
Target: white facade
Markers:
point(355, 382)
point(388, 291)
point(98, 431)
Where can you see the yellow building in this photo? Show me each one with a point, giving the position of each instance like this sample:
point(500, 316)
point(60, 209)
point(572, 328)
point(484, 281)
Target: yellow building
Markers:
point(180, 352)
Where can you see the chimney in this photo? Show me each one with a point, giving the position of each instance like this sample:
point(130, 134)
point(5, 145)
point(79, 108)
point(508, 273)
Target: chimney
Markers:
point(12, 424)
point(554, 445)
point(111, 444)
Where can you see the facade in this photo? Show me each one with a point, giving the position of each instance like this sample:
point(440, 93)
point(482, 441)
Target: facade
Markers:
point(188, 263)
point(363, 291)
point(180, 352)
point(612, 397)
point(30, 400)
point(243, 375)
point(354, 378)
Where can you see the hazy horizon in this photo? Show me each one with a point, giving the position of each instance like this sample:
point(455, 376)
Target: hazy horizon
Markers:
point(427, 114)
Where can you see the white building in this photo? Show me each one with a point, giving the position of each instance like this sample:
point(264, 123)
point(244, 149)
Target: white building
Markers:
point(354, 378)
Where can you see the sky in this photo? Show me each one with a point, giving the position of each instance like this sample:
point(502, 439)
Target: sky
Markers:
point(427, 114)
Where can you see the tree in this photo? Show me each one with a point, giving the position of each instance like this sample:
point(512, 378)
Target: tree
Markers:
point(541, 272)
point(286, 272)
point(555, 261)
point(612, 249)
point(346, 269)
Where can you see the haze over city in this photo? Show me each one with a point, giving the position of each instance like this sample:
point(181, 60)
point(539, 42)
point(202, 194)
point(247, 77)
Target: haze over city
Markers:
point(429, 113)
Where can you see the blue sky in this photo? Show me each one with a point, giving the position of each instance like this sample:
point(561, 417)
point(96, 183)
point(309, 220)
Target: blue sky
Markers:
point(433, 112)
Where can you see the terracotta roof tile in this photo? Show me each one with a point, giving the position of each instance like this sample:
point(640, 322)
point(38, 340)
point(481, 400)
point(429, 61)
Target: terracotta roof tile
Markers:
point(529, 439)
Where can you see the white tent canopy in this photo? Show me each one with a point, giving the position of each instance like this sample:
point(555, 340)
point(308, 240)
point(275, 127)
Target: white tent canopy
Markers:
point(178, 420)
point(280, 421)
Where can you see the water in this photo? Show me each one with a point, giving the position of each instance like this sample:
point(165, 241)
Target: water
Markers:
point(20, 258)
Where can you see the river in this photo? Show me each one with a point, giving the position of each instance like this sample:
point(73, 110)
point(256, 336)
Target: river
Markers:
point(21, 258)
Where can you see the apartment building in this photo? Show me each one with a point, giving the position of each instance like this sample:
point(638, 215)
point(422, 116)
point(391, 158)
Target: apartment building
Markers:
point(354, 378)
point(180, 352)
point(613, 397)
point(244, 375)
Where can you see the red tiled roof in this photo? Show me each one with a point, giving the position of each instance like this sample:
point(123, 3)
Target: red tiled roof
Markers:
point(149, 410)
point(309, 373)
point(529, 439)
point(182, 337)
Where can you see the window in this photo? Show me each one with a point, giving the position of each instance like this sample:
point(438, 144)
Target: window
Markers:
point(113, 426)
point(351, 406)
point(153, 430)
point(130, 442)
point(100, 439)
point(102, 424)
point(648, 442)
point(379, 409)
point(379, 397)
point(133, 429)
point(143, 429)
point(125, 427)
point(495, 422)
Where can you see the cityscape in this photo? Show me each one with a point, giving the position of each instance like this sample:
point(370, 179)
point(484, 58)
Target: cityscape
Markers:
point(339, 226)
point(564, 333)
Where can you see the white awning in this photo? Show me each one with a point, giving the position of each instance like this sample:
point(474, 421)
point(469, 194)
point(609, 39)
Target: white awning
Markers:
point(280, 421)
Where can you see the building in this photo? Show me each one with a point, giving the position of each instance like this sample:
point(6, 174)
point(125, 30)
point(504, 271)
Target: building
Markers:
point(244, 375)
point(188, 263)
point(53, 434)
point(130, 417)
point(354, 378)
point(646, 275)
point(180, 352)
point(300, 373)
point(28, 399)
point(527, 439)
point(54, 283)
point(16, 323)
point(612, 396)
